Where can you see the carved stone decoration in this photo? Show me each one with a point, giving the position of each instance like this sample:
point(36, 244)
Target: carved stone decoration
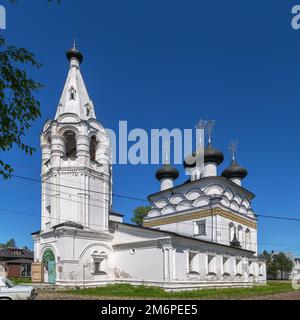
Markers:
point(120, 274)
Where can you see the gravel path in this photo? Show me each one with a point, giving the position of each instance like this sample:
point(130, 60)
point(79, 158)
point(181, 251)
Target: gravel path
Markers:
point(293, 295)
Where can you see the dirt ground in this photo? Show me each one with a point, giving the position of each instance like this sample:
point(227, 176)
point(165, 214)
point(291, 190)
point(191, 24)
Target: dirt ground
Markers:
point(293, 295)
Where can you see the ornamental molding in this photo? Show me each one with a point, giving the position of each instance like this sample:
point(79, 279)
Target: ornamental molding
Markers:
point(78, 170)
point(200, 214)
point(56, 123)
point(156, 243)
point(67, 232)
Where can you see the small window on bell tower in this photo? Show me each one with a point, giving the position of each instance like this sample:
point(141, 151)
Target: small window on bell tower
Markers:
point(93, 148)
point(72, 94)
point(70, 143)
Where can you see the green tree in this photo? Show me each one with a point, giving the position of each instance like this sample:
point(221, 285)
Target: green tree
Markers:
point(282, 264)
point(139, 214)
point(271, 268)
point(9, 244)
point(18, 106)
point(277, 263)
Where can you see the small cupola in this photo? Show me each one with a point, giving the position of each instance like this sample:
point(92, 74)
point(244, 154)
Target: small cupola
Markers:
point(73, 53)
point(235, 172)
point(167, 175)
point(212, 159)
point(212, 156)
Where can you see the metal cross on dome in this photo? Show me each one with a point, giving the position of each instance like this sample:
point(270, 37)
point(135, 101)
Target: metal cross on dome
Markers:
point(200, 126)
point(209, 126)
point(233, 146)
point(167, 147)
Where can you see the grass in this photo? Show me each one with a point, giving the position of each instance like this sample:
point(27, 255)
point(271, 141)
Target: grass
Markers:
point(129, 291)
point(18, 281)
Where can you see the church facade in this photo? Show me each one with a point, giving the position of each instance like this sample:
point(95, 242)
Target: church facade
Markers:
point(202, 233)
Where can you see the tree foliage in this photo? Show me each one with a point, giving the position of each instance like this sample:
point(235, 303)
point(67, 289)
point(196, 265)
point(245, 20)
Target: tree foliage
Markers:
point(139, 214)
point(18, 106)
point(9, 244)
point(283, 264)
point(277, 264)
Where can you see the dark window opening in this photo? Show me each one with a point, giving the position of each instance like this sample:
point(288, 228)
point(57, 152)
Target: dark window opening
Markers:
point(26, 270)
point(93, 148)
point(72, 94)
point(71, 149)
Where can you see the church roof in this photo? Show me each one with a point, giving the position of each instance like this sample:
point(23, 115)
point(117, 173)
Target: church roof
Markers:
point(69, 224)
point(206, 179)
point(114, 213)
point(75, 98)
point(174, 234)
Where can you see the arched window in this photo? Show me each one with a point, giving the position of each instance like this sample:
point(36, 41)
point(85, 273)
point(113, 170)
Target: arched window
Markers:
point(240, 235)
point(72, 94)
point(247, 239)
point(231, 231)
point(93, 148)
point(70, 139)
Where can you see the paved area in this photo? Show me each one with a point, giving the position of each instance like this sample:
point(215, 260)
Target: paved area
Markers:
point(293, 295)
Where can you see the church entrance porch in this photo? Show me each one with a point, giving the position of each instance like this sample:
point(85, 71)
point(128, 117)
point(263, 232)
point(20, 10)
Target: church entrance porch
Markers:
point(49, 267)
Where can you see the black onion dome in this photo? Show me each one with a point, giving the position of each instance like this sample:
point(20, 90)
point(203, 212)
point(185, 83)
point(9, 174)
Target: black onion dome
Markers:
point(210, 155)
point(190, 161)
point(213, 155)
point(167, 172)
point(235, 171)
point(74, 53)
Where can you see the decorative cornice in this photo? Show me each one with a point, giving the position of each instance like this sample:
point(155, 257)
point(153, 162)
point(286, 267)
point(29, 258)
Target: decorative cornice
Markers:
point(67, 232)
point(159, 242)
point(79, 170)
point(201, 214)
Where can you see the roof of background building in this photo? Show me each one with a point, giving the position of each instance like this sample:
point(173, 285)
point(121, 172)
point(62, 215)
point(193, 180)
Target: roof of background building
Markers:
point(15, 253)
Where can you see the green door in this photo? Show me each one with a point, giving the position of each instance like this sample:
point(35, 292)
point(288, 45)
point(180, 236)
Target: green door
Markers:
point(49, 263)
point(51, 272)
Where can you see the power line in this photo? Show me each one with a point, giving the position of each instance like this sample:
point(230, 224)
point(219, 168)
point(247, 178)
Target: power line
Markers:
point(277, 217)
point(17, 212)
point(76, 188)
point(134, 198)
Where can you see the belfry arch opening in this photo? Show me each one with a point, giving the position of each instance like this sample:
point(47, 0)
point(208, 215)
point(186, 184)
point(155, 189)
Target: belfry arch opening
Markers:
point(70, 142)
point(93, 148)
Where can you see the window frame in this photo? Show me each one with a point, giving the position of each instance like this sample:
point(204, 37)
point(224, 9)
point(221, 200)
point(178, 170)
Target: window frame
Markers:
point(191, 263)
point(197, 228)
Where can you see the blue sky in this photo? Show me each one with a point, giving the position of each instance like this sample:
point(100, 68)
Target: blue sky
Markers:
point(167, 64)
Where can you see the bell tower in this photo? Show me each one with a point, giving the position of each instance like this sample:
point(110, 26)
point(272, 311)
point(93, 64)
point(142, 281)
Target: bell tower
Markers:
point(76, 160)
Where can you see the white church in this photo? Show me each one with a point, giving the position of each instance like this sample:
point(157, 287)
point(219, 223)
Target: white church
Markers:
point(202, 233)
